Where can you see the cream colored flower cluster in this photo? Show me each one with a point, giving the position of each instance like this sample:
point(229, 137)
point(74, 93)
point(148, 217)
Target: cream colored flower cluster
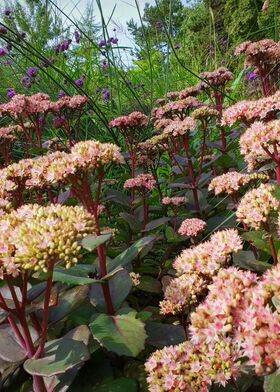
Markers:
point(257, 205)
point(59, 167)
point(260, 142)
point(34, 237)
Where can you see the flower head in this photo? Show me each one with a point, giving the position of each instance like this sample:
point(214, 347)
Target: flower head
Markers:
point(33, 237)
point(192, 227)
point(257, 205)
point(258, 142)
point(142, 182)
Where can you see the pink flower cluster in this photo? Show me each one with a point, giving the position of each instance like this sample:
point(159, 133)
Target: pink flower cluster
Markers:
point(219, 77)
point(182, 292)
point(59, 167)
point(133, 120)
point(142, 182)
point(257, 205)
point(178, 128)
point(174, 201)
point(204, 113)
point(192, 227)
point(249, 111)
point(229, 332)
point(260, 142)
point(228, 183)
point(263, 51)
point(176, 109)
point(190, 368)
point(208, 257)
point(21, 106)
point(192, 91)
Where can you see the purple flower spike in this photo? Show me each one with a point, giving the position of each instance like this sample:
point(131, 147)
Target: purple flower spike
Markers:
point(10, 92)
point(102, 43)
point(32, 72)
point(7, 12)
point(159, 24)
point(61, 94)
point(79, 82)
point(3, 30)
point(106, 94)
point(77, 37)
point(3, 52)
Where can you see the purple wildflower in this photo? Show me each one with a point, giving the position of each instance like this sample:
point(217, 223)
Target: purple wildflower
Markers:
point(32, 72)
point(79, 82)
point(3, 30)
point(158, 24)
point(106, 94)
point(177, 46)
point(77, 37)
point(3, 52)
point(102, 43)
point(115, 40)
point(10, 92)
point(61, 94)
point(7, 12)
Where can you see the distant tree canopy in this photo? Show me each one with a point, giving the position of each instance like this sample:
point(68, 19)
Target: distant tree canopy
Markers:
point(36, 18)
point(203, 22)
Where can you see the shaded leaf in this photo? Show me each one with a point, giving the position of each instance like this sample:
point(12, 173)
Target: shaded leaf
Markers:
point(160, 335)
point(272, 383)
point(156, 223)
point(259, 239)
point(59, 356)
point(134, 223)
point(122, 334)
point(131, 253)
point(119, 385)
point(120, 285)
point(68, 301)
point(149, 284)
point(90, 242)
point(246, 259)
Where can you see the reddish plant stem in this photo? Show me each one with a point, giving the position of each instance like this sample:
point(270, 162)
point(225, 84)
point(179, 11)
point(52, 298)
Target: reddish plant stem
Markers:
point(12, 323)
point(92, 207)
point(271, 243)
point(146, 211)
point(191, 172)
point(22, 319)
point(133, 159)
point(183, 323)
point(45, 311)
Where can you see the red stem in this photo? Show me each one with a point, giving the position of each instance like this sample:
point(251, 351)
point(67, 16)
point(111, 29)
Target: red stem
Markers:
point(45, 312)
point(191, 171)
point(271, 243)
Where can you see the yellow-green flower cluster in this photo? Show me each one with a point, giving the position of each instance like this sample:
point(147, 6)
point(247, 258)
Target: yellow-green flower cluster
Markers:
point(34, 237)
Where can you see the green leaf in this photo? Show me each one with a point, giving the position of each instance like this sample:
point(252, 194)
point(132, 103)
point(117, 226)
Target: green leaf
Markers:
point(119, 385)
point(59, 356)
point(134, 223)
point(68, 301)
point(131, 253)
point(156, 223)
point(259, 239)
point(120, 285)
point(272, 383)
point(10, 350)
point(90, 242)
point(160, 335)
point(246, 259)
point(122, 334)
point(149, 284)
point(77, 275)
point(118, 197)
